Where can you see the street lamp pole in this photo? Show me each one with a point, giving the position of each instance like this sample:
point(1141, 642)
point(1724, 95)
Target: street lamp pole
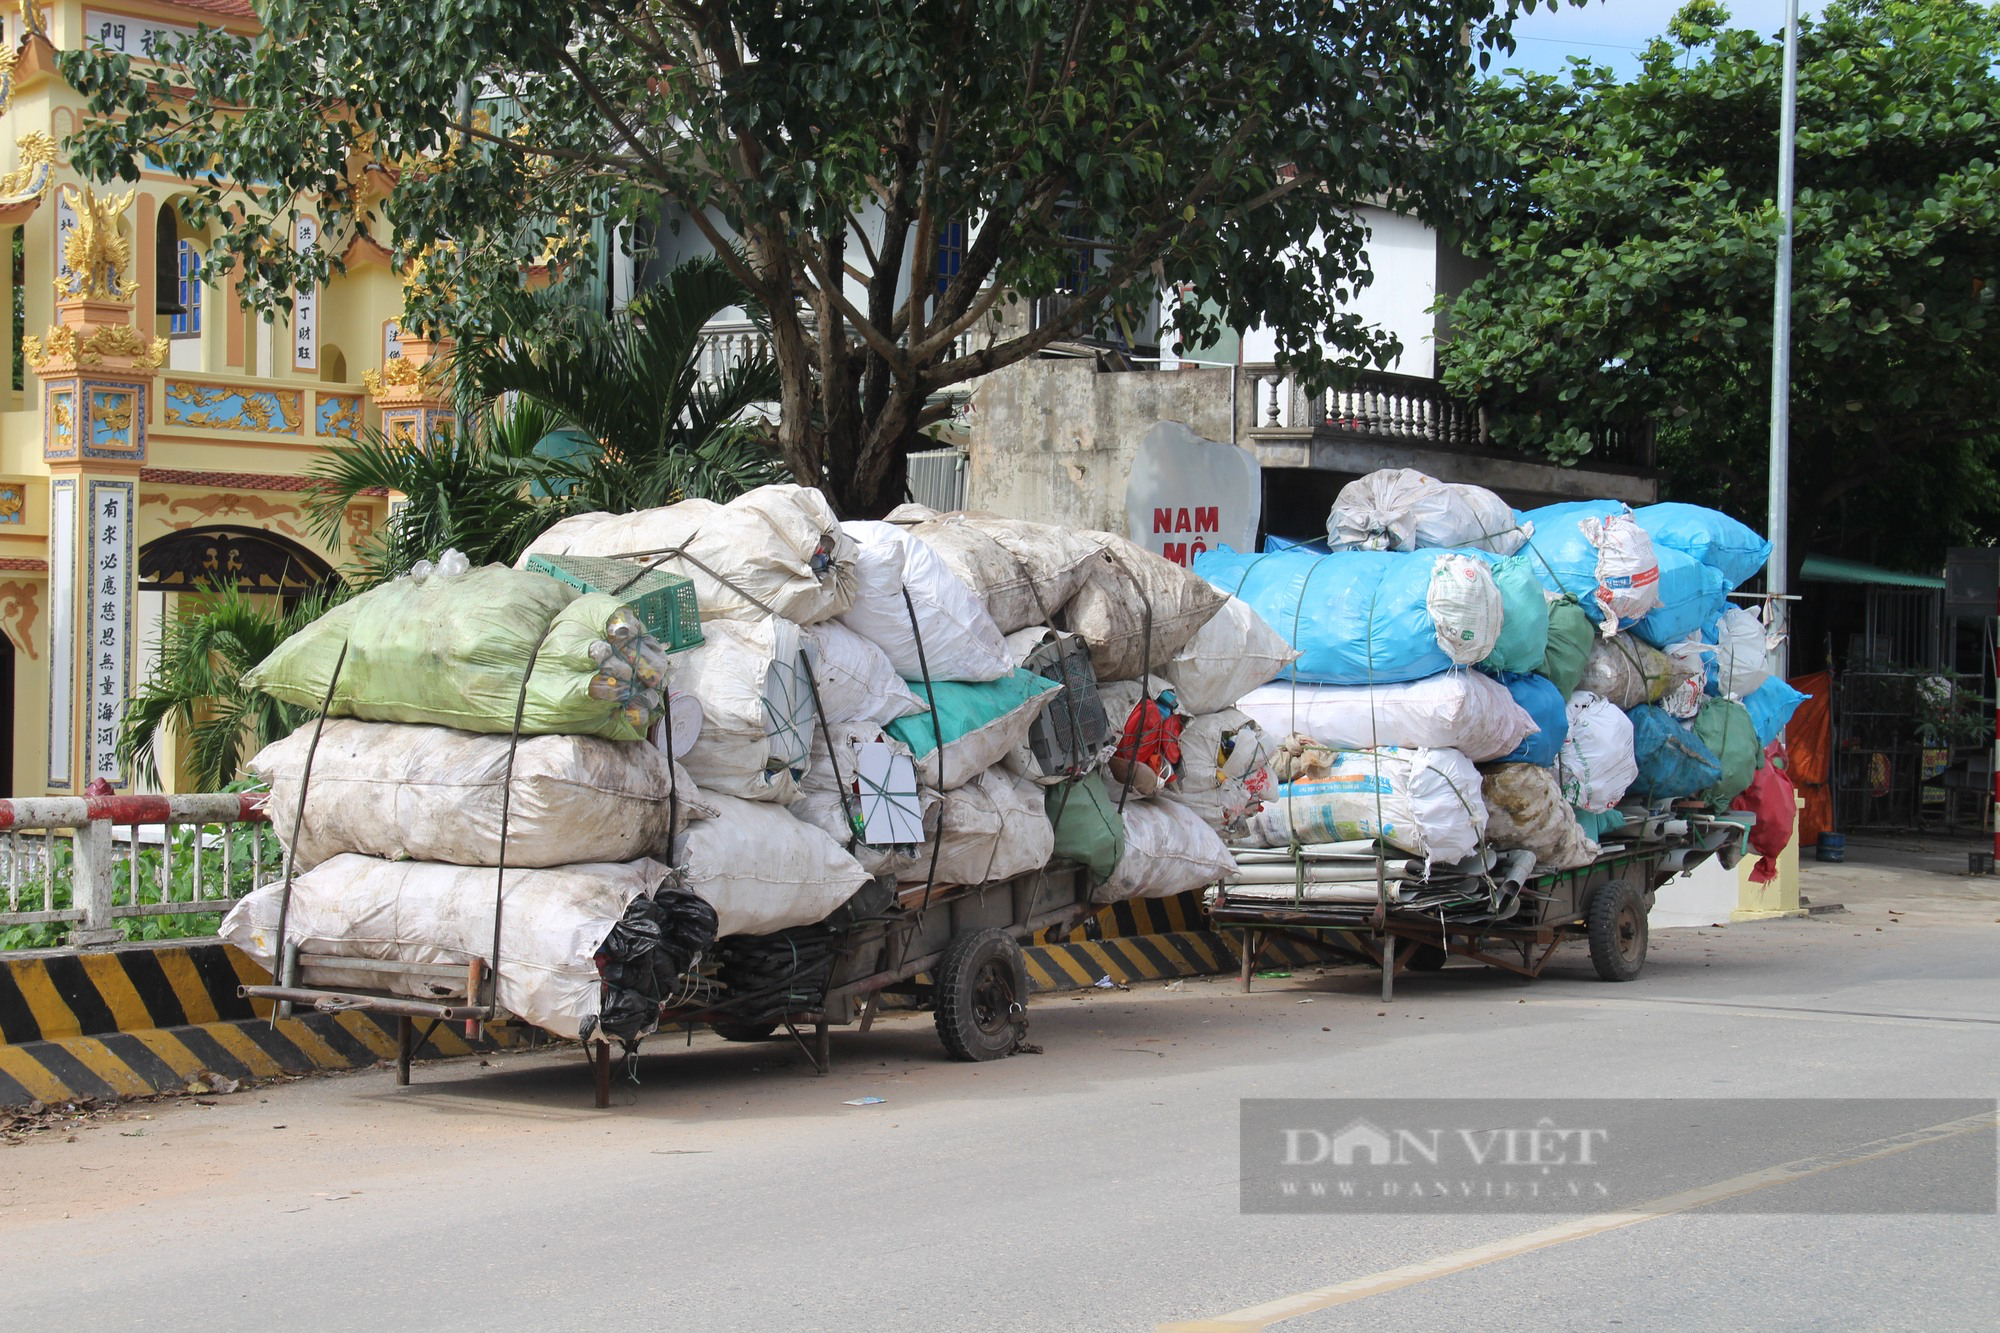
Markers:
point(1778, 580)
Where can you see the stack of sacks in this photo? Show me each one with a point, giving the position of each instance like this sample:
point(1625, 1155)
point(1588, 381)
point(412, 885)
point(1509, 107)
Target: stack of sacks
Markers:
point(399, 836)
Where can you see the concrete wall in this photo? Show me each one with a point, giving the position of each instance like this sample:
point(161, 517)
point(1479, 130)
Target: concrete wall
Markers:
point(1405, 257)
point(1055, 440)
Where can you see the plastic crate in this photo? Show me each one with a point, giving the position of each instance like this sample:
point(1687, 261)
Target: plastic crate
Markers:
point(665, 602)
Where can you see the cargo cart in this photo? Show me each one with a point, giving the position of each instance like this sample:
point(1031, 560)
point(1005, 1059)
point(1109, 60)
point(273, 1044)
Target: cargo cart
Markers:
point(955, 949)
point(1514, 925)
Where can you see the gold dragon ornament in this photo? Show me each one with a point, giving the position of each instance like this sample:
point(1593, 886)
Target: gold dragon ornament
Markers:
point(97, 250)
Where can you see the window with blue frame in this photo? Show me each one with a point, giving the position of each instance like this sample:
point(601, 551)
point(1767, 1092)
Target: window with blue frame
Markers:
point(950, 253)
point(188, 321)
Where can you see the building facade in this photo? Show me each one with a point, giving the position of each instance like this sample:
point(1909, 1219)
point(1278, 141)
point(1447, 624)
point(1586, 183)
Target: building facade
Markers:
point(153, 435)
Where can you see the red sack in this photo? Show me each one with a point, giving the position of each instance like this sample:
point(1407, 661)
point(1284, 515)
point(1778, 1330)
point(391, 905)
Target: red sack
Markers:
point(1153, 739)
point(1772, 798)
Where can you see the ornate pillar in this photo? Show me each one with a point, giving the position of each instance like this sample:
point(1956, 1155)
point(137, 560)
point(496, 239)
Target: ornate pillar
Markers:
point(413, 392)
point(97, 373)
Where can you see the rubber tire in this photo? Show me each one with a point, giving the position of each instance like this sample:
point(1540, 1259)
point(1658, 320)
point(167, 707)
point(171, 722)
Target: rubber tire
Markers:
point(1618, 931)
point(1427, 957)
point(967, 1023)
point(743, 1031)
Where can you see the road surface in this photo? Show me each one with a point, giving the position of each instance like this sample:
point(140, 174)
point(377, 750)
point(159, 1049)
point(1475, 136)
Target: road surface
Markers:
point(1094, 1186)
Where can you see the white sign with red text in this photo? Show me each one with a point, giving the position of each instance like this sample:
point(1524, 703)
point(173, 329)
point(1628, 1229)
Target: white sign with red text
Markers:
point(1187, 495)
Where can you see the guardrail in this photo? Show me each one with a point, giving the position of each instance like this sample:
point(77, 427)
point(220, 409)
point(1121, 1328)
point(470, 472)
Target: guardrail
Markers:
point(94, 862)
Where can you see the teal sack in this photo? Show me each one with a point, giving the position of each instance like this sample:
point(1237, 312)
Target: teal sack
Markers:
point(450, 651)
point(1524, 622)
point(980, 722)
point(1089, 830)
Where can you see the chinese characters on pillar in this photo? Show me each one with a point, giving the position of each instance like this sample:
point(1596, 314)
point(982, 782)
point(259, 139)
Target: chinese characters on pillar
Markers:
point(62, 627)
point(106, 628)
point(305, 303)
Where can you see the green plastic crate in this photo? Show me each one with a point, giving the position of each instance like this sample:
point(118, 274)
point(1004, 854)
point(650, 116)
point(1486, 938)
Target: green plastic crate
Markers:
point(664, 601)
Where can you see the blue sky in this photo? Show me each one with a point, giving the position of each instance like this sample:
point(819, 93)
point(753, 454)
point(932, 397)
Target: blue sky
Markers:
point(1612, 32)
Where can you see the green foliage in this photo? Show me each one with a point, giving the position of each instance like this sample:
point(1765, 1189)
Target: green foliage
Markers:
point(1633, 235)
point(822, 150)
point(571, 412)
point(158, 882)
point(196, 695)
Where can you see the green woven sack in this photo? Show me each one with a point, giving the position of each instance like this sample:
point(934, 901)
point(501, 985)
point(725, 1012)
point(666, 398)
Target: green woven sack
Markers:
point(1570, 637)
point(1089, 830)
point(1725, 727)
point(450, 652)
point(1524, 618)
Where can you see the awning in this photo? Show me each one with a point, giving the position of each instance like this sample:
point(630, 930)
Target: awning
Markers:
point(1827, 569)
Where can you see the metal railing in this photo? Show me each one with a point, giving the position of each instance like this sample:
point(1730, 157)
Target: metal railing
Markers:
point(93, 862)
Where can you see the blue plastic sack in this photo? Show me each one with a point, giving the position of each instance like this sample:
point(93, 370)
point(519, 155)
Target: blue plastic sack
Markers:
point(1545, 703)
point(1673, 762)
point(1562, 557)
point(1711, 537)
point(1598, 824)
point(1771, 706)
point(1692, 596)
point(1273, 542)
point(1356, 617)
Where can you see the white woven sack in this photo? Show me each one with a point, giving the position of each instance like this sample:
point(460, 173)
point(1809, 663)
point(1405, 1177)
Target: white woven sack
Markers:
point(1425, 802)
point(825, 811)
point(1454, 710)
point(1135, 609)
point(1628, 573)
point(1596, 765)
point(757, 717)
point(856, 683)
point(1022, 571)
point(1402, 509)
point(411, 793)
point(1169, 850)
point(991, 829)
point(776, 550)
point(1465, 606)
point(1219, 748)
point(1228, 657)
point(762, 870)
point(551, 922)
point(1227, 808)
point(1741, 653)
point(959, 639)
point(1525, 809)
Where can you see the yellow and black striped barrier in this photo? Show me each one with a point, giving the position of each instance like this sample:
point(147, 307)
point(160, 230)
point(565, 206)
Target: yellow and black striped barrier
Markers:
point(135, 1021)
point(1157, 956)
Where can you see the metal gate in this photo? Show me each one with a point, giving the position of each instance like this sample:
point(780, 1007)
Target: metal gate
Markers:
point(937, 478)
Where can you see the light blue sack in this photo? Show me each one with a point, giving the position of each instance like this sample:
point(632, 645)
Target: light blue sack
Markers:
point(1273, 542)
point(1673, 762)
point(1356, 617)
point(1546, 704)
point(1713, 538)
point(1561, 556)
point(1771, 706)
point(1692, 596)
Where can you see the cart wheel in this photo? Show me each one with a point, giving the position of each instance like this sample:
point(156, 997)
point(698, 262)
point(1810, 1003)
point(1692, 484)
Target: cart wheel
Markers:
point(1427, 958)
point(743, 1031)
point(1618, 931)
point(982, 996)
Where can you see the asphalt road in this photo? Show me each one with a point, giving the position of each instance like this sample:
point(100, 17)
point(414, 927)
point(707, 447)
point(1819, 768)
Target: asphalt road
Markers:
point(1094, 1186)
